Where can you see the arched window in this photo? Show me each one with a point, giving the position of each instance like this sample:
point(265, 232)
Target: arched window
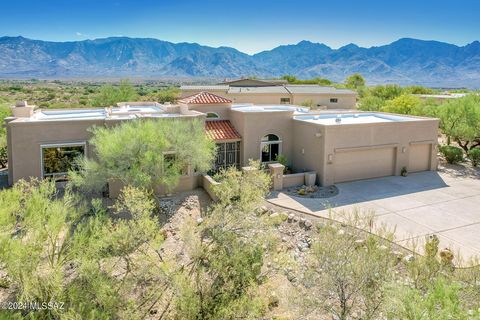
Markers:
point(271, 147)
point(212, 115)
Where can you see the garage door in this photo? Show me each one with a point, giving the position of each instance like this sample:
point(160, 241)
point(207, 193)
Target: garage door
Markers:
point(419, 158)
point(364, 164)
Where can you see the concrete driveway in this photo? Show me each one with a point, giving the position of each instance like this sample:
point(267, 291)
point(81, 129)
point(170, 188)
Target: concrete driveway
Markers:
point(418, 205)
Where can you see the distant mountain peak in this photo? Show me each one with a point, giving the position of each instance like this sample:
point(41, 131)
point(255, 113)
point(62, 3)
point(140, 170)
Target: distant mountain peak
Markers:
point(405, 61)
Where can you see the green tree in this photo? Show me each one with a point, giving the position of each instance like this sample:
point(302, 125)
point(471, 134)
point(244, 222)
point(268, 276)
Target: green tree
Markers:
point(109, 95)
point(167, 95)
point(459, 119)
point(290, 78)
point(223, 280)
point(404, 104)
point(355, 81)
point(145, 153)
point(349, 275)
point(4, 113)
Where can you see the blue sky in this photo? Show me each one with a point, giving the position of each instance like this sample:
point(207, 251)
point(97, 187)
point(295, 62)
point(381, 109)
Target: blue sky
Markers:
point(248, 25)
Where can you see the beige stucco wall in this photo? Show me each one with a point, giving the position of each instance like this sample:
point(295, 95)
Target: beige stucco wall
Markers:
point(27, 137)
point(271, 98)
point(345, 101)
point(252, 126)
point(223, 110)
point(398, 135)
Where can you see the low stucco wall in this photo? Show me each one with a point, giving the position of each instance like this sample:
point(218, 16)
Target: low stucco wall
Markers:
point(185, 183)
point(208, 183)
point(293, 180)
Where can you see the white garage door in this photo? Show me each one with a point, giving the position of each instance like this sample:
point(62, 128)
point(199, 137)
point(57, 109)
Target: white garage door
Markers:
point(364, 164)
point(419, 158)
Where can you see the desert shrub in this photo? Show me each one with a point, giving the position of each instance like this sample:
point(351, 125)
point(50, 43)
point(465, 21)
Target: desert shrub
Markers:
point(167, 95)
point(109, 95)
point(452, 154)
point(441, 300)
point(134, 153)
point(474, 156)
point(225, 272)
point(60, 250)
point(350, 274)
point(3, 153)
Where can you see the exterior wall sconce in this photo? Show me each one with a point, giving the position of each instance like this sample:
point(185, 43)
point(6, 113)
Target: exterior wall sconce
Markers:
point(330, 158)
point(318, 134)
point(303, 151)
point(404, 149)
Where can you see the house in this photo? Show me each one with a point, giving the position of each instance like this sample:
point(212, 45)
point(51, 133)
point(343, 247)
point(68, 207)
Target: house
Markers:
point(278, 92)
point(337, 146)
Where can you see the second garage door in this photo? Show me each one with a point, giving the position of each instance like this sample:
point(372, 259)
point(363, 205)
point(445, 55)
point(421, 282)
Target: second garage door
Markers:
point(364, 164)
point(419, 158)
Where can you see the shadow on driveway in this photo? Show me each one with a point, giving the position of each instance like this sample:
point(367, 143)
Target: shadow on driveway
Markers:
point(357, 192)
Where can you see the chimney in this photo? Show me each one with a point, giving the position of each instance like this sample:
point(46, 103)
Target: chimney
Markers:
point(22, 110)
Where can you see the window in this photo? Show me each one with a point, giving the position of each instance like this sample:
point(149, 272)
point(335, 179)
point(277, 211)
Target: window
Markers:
point(169, 161)
point(333, 100)
point(284, 100)
point(212, 115)
point(228, 155)
point(58, 159)
point(270, 148)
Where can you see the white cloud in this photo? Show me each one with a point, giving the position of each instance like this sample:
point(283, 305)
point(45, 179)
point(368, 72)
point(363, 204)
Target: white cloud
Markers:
point(79, 34)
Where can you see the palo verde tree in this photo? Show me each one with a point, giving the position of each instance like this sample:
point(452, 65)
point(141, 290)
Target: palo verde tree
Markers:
point(109, 95)
point(145, 153)
point(355, 81)
point(459, 121)
point(222, 279)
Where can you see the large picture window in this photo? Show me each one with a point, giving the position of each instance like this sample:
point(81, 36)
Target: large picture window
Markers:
point(58, 159)
point(271, 146)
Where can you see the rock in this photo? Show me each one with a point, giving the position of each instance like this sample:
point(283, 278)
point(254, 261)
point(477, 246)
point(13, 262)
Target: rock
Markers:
point(308, 224)
point(341, 232)
point(291, 277)
point(261, 210)
point(291, 217)
point(284, 239)
point(359, 243)
point(383, 247)
point(302, 222)
point(273, 300)
point(274, 215)
point(199, 221)
point(409, 258)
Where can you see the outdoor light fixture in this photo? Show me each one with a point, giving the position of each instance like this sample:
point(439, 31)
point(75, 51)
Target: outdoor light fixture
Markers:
point(404, 149)
point(330, 158)
point(318, 134)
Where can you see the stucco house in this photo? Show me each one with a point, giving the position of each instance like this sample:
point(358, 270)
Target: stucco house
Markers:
point(338, 146)
point(278, 92)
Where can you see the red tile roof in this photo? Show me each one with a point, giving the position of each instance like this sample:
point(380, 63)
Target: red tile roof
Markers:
point(204, 98)
point(219, 130)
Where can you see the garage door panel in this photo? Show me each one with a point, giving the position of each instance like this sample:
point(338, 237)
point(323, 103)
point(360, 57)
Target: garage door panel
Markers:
point(364, 164)
point(419, 158)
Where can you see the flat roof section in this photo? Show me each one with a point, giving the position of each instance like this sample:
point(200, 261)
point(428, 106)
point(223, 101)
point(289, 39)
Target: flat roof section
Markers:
point(69, 114)
point(336, 119)
point(269, 108)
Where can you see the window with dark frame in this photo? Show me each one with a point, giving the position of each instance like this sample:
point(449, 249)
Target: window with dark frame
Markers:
point(333, 100)
point(284, 100)
point(228, 155)
point(58, 160)
point(270, 148)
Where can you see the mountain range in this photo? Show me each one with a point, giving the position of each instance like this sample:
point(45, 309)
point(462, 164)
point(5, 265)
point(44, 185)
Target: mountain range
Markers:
point(405, 61)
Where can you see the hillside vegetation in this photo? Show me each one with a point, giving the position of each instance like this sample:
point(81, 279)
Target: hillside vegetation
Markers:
point(79, 255)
